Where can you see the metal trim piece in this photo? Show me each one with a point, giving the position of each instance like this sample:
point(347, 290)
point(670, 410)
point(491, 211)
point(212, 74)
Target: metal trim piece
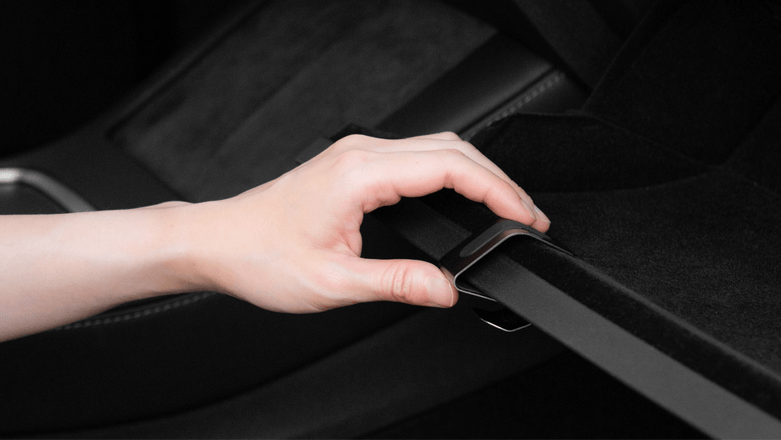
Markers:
point(478, 245)
point(58, 192)
point(503, 319)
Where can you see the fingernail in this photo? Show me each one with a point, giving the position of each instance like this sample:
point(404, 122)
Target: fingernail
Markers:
point(541, 215)
point(529, 209)
point(440, 293)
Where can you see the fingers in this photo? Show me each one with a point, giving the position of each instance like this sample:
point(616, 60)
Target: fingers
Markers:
point(449, 140)
point(165, 205)
point(443, 136)
point(543, 222)
point(390, 176)
point(407, 281)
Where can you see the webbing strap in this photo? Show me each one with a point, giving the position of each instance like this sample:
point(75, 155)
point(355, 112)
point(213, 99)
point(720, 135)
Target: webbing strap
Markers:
point(682, 391)
point(689, 395)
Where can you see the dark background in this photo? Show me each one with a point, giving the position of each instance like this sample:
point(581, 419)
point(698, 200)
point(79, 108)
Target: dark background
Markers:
point(63, 63)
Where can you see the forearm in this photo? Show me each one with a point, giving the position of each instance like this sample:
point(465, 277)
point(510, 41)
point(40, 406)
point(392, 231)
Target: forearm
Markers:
point(290, 245)
point(57, 269)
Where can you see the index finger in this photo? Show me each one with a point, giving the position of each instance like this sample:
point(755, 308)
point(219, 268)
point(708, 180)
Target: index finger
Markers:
point(440, 141)
point(391, 176)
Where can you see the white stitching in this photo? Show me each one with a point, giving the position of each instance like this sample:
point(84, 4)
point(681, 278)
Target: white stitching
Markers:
point(516, 105)
point(527, 97)
point(137, 314)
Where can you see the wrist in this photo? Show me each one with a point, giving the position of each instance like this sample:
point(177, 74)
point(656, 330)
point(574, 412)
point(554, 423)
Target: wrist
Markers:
point(189, 237)
point(173, 250)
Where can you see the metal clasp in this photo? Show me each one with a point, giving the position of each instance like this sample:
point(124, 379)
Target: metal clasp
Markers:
point(477, 246)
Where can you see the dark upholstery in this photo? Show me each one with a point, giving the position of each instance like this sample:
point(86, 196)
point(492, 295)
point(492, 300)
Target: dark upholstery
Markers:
point(292, 72)
point(234, 117)
point(666, 186)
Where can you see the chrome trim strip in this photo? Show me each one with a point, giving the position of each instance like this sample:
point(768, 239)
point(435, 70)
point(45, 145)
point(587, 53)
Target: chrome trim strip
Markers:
point(58, 192)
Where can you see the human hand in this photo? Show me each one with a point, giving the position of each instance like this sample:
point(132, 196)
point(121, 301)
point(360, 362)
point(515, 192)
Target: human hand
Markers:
point(294, 244)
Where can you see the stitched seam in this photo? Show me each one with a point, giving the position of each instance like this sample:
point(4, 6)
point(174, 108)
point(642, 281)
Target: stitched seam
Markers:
point(527, 97)
point(137, 314)
point(517, 103)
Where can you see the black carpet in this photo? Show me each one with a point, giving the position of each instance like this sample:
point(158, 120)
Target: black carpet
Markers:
point(666, 186)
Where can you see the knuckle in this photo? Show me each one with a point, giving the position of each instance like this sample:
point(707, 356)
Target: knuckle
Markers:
point(348, 142)
point(172, 204)
point(398, 283)
point(351, 159)
point(353, 166)
point(451, 136)
point(466, 146)
point(452, 153)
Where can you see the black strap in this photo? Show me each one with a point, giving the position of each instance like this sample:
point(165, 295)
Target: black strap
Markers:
point(628, 358)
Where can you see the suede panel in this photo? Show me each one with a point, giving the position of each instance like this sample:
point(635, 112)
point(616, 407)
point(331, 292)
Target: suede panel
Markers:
point(576, 32)
point(295, 71)
point(288, 74)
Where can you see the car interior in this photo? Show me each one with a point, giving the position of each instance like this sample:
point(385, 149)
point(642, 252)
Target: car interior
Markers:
point(648, 131)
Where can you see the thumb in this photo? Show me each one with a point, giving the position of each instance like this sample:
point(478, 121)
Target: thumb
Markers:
point(407, 281)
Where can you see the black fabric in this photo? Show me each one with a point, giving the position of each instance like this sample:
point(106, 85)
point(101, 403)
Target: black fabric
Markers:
point(758, 158)
point(576, 32)
point(666, 188)
point(566, 397)
point(559, 153)
point(180, 354)
point(622, 15)
point(572, 34)
point(695, 78)
point(290, 73)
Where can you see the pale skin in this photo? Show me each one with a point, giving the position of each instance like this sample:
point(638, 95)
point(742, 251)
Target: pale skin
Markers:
point(290, 245)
